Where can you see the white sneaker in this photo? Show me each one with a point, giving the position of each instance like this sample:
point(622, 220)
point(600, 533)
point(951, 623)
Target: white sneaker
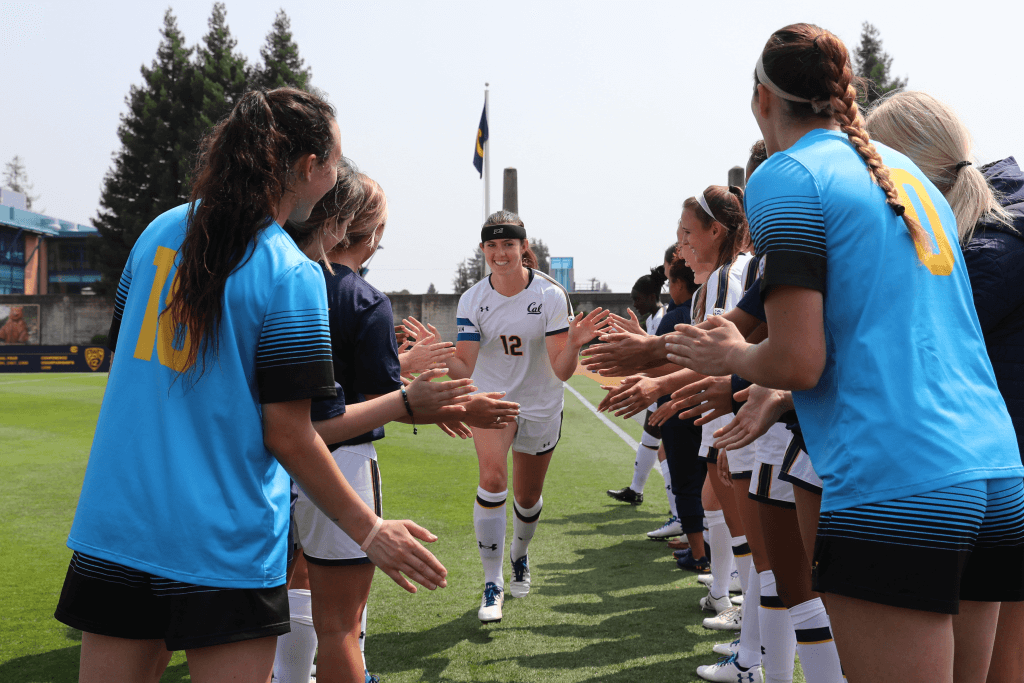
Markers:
point(728, 671)
point(737, 599)
point(727, 649)
point(729, 620)
point(520, 586)
point(705, 579)
point(673, 527)
point(710, 603)
point(490, 606)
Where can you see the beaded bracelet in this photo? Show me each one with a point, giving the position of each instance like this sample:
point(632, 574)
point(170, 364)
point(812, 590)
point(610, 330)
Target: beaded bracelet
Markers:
point(408, 409)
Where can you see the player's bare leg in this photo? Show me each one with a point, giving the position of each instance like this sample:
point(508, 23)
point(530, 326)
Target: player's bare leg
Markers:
point(1007, 653)
point(104, 659)
point(974, 632)
point(248, 661)
point(339, 598)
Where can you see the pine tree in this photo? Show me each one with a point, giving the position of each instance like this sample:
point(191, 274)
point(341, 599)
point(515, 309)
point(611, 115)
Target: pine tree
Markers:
point(16, 178)
point(543, 255)
point(872, 63)
point(282, 64)
point(150, 170)
point(431, 289)
point(221, 73)
point(469, 272)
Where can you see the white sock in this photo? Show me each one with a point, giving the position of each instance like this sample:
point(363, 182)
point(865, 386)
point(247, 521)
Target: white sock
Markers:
point(720, 550)
point(750, 634)
point(646, 456)
point(744, 562)
point(668, 488)
point(524, 526)
point(818, 655)
point(489, 523)
point(362, 638)
point(293, 661)
point(778, 642)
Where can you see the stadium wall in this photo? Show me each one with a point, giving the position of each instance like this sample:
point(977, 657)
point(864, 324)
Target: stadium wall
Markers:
point(66, 319)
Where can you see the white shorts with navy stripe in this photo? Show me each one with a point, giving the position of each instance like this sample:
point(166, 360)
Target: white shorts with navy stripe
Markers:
point(797, 468)
point(766, 487)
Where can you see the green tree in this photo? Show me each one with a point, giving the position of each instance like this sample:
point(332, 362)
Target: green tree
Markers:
point(873, 64)
point(16, 178)
point(543, 255)
point(282, 64)
point(150, 170)
point(431, 289)
point(469, 272)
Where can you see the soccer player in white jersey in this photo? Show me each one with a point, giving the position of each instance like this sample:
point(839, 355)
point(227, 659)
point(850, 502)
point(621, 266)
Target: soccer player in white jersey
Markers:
point(516, 334)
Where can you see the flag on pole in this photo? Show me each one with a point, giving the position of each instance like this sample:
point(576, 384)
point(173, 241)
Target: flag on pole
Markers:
point(481, 138)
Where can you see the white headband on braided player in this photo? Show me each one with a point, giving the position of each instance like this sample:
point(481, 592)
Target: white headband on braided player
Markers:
point(704, 205)
point(762, 78)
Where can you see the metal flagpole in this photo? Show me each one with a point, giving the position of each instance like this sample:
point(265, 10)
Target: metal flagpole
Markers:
point(487, 169)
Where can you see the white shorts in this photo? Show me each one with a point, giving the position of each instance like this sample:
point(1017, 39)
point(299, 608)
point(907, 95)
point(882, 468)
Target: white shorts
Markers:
point(771, 446)
point(741, 461)
point(797, 468)
point(537, 438)
point(323, 542)
point(765, 487)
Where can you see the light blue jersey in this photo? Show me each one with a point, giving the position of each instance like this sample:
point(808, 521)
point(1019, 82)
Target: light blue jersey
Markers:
point(907, 402)
point(179, 483)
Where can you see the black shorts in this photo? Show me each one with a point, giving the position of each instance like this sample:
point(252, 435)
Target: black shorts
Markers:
point(653, 430)
point(110, 599)
point(927, 552)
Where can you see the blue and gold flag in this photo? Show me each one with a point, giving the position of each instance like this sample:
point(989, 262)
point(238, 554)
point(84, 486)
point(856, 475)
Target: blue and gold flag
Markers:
point(481, 138)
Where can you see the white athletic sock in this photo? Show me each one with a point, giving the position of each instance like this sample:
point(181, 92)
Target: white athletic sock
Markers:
point(744, 561)
point(489, 523)
point(646, 456)
point(778, 642)
point(362, 638)
point(668, 488)
point(720, 551)
point(818, 655)
point(524, 526)
point(750, 634)
point(293, 661)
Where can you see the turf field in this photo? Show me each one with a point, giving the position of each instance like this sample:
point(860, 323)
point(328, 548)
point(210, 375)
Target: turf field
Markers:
point(607, 604)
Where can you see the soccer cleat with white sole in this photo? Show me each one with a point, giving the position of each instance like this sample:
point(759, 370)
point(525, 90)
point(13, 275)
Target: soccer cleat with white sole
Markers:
point(705, 579)
point(490, 605)
point(520, 586)
point(736, 599)
point(727, 649)
point(729, 620)
point(710, 603)
point(673, 527)
point(727, 670)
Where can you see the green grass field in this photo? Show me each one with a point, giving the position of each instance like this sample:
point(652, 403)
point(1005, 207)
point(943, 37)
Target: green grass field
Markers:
point(607, 604)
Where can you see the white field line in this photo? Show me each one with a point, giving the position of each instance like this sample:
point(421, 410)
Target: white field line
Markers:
point(601, 416)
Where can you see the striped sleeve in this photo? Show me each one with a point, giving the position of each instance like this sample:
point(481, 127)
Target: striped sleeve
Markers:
point(120, 298)
point(468, 330)
point(559, 308)
point(787, 225)
point(293, 358)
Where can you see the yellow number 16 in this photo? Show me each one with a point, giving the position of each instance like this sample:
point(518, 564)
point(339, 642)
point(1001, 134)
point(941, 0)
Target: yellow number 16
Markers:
point(152, 331)
point(942, 262)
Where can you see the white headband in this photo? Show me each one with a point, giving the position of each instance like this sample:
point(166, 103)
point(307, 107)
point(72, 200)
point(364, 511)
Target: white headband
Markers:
point(762, 78)
point(704, 205)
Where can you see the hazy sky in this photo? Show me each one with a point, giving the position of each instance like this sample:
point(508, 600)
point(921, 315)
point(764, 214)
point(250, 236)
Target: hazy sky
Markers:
point(612, 112)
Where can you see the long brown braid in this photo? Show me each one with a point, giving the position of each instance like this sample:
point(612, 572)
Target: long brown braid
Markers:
point(790, 53)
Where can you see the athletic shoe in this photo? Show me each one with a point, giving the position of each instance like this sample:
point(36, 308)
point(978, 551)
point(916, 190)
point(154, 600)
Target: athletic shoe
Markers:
point(371, 678)
point(727, 670)
point(673, 527)
point(736, 599)
point(520, 586)
point(727, 649)
point(704, 579)
point(710, 603)
point(729, 620)
point(678, 544)
point(700, 565)
point(626, 495)
point(490, 606)
point(679, 554)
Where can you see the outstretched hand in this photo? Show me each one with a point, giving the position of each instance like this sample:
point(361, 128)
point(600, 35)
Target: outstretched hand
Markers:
point(631, 324)
point(429, 397)
point(620, 353)
point(489, 411)
point(762, 409)
point(706, 348)
point(583, 330)
point(706, 399)
point(396, 552)
point(615, 391)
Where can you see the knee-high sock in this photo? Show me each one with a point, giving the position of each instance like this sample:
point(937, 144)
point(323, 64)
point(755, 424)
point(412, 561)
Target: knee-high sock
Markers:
point(668, 488)
point(362, 638)
point(818, 655)
point(720, 544)
point(293, 661)
point(524, 526)
point(646, 456)
point(778, 642)
point(744, 561)
point(750, 634)
point(489, 523)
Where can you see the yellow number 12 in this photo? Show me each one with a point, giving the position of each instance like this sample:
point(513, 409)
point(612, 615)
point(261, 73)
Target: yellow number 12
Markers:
point(176, 359)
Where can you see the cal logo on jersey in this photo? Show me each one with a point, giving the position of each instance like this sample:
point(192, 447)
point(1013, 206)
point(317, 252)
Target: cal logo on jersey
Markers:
point(534, 308)
point(717, 311)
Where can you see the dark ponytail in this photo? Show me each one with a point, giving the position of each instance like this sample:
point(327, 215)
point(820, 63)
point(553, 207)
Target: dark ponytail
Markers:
point(651, 284)
point(243, 169)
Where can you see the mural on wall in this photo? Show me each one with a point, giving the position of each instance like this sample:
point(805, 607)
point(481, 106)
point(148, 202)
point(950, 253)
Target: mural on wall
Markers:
point(19, 324)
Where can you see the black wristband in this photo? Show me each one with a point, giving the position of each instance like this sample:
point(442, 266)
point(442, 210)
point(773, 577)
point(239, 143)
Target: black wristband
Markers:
point(408, 409)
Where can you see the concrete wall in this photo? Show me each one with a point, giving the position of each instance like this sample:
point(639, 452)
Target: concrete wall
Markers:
point(67, 318)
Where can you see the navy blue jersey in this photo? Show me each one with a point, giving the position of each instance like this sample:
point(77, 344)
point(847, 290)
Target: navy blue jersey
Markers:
point(363, 345)
point(680, 315)
point(752, 303)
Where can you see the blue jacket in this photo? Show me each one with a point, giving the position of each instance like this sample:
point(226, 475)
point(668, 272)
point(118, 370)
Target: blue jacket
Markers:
point(995, 263)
